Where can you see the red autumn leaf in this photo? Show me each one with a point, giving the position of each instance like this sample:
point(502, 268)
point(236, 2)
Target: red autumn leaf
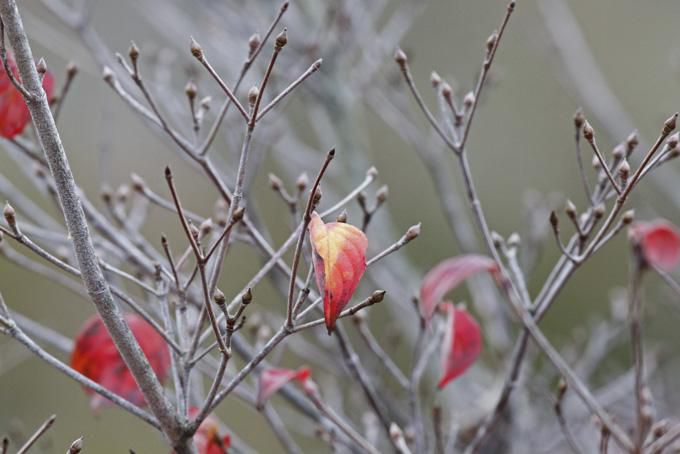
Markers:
point(462, 344)
point(659, 242)
point(446, 276)
point(273, 379)
point(339, 262)
point(207, 438)
point(96, 357)
point(14, 114)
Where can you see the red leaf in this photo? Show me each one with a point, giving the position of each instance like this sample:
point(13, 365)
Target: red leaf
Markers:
point(14, 114)
point(446, 276)
point(462, 344)
point(659, 242)
point(96, 357)
point(339, 263)
point(207, 438)
point(273, 379)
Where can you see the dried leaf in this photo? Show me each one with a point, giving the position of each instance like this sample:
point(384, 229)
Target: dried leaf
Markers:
point(96, 357)
point(273, 379)
point(339, 263)
point(446, 276)
point(14, 114)
point(461, 345)
point(659, 242)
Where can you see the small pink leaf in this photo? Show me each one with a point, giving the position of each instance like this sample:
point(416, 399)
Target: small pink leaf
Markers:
point(659, 242)
point(461, 346)
point(446, 276)
point(273, 379)
point(339, 263)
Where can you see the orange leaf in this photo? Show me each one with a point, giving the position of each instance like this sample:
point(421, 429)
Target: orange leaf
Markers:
point(461, 346)
point(96, 357)
point(339, 263)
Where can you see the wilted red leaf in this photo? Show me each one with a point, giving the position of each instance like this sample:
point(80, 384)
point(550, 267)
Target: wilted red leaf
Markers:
point(273, 379)
point(659, 243)
point(96, 357)
point(339, 262)
point(14, 114)
point(461, 346)
point(446, 276)
point(207, 438)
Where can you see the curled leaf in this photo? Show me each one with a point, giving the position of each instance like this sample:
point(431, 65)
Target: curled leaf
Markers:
point(208, 438)
point(659, 242)
point(461, 345)
point(95, 356)
point(339, 263)
point(273, 379)
point(14, 114)
point(446, 276)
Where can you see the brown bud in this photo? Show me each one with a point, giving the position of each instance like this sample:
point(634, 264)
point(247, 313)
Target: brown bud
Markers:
point(247, 297)
point(219, 297)
point(41, 66)
point(631, 142)
point(619, 152)
point(628, 217)
point(381, 195)
point(669, 125)
point(317, 196)
point(71, 70)
point(253, 93)
point(107, 74)
point(497, 240)
point(302, 182)
point(205, 103)
point(588, 132)
point(107, 194)
point(378, 296)
point(599, 210)
point(673, 140)
point(133, 52)
point(624, 171)
point(275, 182)
point(138, 183)
point(579, 119)
point(435, 79)
point(282, 39)
point(554, 221)
point(342, 217)
point(469, 101)
point(412, 233)
point(238, 214)
point(253, 44)
point(196, 49)
point(206, 227)
point(447, 92)
point(400, 58)
point(491, 41)
point(570, 209)
point(10, 215)
point(76, 447)
point(190, 90)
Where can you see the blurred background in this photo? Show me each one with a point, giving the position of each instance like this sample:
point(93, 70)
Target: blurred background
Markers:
point(521, 150)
